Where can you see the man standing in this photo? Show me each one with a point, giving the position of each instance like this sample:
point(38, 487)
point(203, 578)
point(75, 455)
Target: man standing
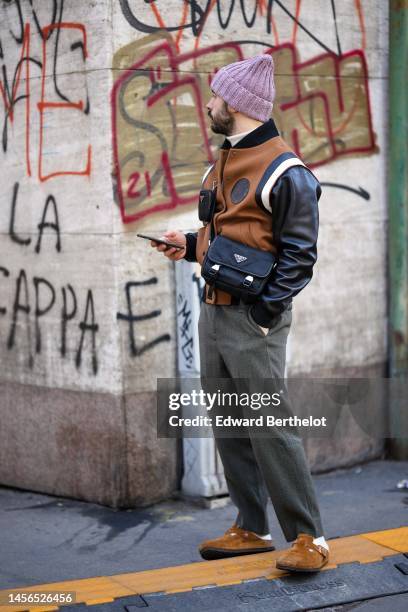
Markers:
point(266, 198)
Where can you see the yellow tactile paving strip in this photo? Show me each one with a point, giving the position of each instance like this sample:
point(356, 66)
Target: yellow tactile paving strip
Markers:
point(363, 548)
point(397, 539)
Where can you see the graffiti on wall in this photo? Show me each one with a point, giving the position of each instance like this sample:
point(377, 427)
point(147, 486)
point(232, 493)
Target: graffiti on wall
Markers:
point(36, 100)
point(190, 286)
point(161, 140)
point(194, 16)
point(28, 299)
point(44, 93)
point(20, 69)
point(131, 319)
point(31, 297)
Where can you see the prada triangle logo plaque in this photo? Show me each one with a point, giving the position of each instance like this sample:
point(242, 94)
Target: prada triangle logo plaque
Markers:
point(239, 258)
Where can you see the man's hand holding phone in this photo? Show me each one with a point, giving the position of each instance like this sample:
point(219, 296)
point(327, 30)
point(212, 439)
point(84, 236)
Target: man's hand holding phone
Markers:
point(172, 253)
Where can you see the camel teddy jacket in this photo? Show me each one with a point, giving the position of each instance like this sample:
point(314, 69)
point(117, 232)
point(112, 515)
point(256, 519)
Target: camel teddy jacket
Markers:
point(268, 199)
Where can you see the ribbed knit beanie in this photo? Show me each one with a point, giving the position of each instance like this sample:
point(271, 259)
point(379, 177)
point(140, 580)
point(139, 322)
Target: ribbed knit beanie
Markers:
point(248, 86)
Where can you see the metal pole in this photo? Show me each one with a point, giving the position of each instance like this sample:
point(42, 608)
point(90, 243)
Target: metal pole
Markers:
point(398, 224)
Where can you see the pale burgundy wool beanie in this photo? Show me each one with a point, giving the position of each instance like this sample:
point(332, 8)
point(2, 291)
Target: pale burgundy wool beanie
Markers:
point(248, 86)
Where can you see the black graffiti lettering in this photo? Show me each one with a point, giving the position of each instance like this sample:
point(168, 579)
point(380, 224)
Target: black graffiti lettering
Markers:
point(339, 51)
point(48, 21)
point(66, 316)
point(198, 18)
point(360, 191)
point(26, 312)
point(269, 16)
point(24, 307)
point(5, 273)
point(132, 318)
point(91, 327)
point(301, 26)
point(224, 24)
point(12, 233)
point(56, 56)
point(249, 22)
point(40, 312)
point(10, 101)
point(53, 225)
point(185, 331)
point(22, 38)
point(18, 37)
point(199, 15)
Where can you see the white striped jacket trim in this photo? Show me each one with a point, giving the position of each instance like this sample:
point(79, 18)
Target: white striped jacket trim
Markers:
point(288, 163)
point(207, 172)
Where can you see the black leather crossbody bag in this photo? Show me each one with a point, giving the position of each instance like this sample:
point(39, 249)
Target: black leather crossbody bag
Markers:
point(238, 269)
point(232, 266)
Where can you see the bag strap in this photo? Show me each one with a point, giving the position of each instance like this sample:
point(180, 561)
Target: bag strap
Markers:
point(212, 236)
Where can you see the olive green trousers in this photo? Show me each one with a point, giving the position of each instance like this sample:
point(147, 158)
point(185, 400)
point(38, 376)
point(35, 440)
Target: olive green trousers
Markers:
point(235, 349)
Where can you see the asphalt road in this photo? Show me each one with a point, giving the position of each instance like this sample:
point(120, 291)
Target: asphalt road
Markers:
point(47, 539)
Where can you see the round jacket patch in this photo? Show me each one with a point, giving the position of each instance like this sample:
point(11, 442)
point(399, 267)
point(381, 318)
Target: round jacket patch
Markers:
point(239, 190)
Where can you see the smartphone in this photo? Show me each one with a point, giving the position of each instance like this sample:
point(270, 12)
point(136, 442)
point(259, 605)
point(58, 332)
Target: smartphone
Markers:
point(161, 241)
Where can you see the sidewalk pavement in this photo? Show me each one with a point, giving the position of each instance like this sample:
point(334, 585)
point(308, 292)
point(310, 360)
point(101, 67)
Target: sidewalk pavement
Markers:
point(48, 539)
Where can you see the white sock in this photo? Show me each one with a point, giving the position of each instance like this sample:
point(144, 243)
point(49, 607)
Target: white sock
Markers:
point(321, 542)
point(265, 537)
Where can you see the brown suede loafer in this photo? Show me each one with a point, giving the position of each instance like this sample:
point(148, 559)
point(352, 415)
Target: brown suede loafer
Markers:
point(303, 556)
point(234, 542)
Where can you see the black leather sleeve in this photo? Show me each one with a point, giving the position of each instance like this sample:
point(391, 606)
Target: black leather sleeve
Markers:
point(190, 254)
point(295, 225)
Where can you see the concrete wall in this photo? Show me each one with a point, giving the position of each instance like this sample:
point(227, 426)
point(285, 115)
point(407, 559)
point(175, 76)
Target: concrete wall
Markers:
point(87, 319)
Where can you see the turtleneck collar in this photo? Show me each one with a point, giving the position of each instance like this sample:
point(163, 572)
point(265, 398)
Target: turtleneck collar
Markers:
point(254, 137)
point(235, 138)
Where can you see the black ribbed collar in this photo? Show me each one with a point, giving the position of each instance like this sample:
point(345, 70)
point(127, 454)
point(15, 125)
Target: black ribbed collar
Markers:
point(259, 135)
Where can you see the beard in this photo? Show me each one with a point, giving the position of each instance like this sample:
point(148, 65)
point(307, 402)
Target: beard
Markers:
point(223, 123)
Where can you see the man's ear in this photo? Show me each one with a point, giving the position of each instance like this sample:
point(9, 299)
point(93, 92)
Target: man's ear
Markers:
point(231, 109)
